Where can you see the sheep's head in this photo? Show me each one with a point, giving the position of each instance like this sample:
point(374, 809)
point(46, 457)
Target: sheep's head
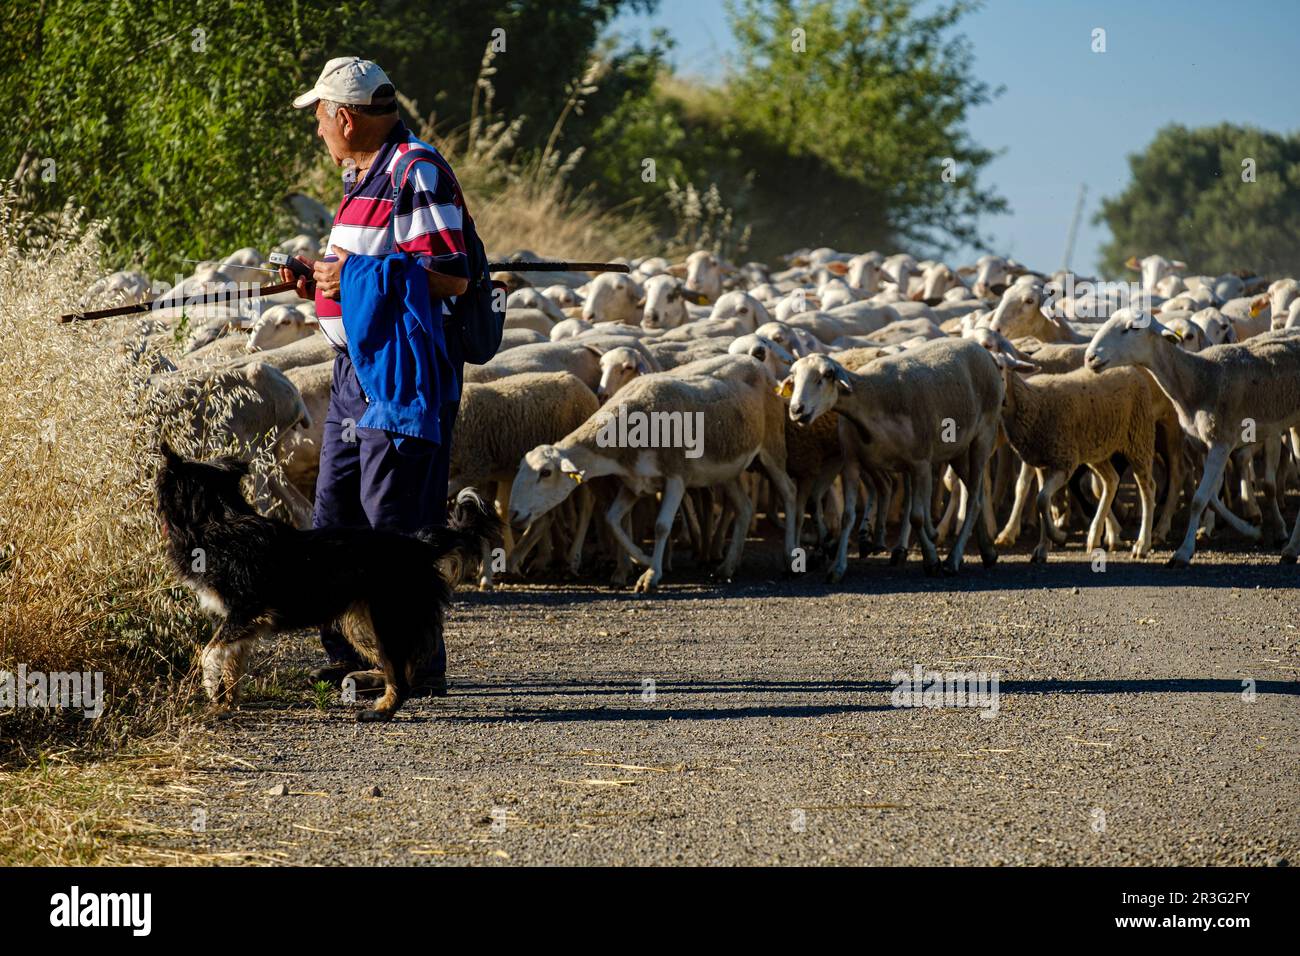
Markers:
point(864, 272)
point(780, 333)
point(992, 276)
point(618, 366)
point(569, 328)
point(525, 298)
point(1021, 310)
point(741, 305)
point(665, 303)
point(545, 478)
point(1215, 327)
point(1127, 338)
point(776, 359)
point(1191, 337)
point(1155, 268)
point(936, 282)
point(612, 297)
point(562, 295)
point(1281, 294)
point(704, 274)
point(814, 385)
point(277, 326)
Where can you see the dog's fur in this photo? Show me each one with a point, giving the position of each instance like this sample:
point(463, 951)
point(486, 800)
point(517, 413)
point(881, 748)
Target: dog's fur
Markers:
point(383, 590)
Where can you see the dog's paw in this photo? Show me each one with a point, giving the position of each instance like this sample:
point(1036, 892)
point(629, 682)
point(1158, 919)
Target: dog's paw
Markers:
point(374, 716)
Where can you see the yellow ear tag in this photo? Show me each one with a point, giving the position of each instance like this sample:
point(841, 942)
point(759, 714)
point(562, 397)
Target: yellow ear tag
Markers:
point(785, 389)
point(1178, 333)
point(575, 476)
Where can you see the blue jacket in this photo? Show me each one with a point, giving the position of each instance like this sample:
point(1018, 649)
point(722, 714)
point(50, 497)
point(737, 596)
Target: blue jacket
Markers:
point(396, 342)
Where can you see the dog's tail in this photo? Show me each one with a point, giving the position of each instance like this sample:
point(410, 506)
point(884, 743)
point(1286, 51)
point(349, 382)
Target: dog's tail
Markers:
point(472, 526)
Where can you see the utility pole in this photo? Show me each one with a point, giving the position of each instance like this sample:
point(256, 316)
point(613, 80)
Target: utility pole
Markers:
point(1074, 226)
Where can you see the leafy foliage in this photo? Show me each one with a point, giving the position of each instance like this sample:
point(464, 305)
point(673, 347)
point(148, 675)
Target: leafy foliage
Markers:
point(1188, 200)
point(877, 93)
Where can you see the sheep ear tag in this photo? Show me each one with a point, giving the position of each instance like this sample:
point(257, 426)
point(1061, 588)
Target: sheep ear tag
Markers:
point(576, 476)
point(785, 389)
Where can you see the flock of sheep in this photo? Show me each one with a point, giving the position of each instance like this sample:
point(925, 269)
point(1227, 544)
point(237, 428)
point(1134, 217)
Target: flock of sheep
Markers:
point(844, 399)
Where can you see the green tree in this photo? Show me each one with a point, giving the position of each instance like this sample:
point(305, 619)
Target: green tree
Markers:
point(1220, 198)
point(876, 93)
point(171, 119)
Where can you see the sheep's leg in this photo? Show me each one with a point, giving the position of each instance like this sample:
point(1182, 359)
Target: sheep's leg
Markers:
point(986, 502)
point(1023, 486)
point(1147, 493)
point(614, 518)
point(674, 488)
point(744, 509)
point(485, 567)
point(1215, 461)
point(971, 471)
point(884, 485)
point(1248, 531)
point(503, 512)
point(950, 512)
point(899, 554)
point(868, 539)
point(1244, 461)
point(1274, 525)
point(823, 486)
point(803, 491)
point(1109, 479)
point(586, 505)
point(780, 483)
point(1050, 482)
point(1171, 448)
point(527, 542)
point(849, 481)
point(921, 481)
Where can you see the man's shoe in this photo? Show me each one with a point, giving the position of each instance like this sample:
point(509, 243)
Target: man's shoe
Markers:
point(430, 685)
point(334, 672)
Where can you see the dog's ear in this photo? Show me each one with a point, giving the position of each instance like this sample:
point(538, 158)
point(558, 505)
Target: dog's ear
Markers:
point(230, 465)
point(165, 449)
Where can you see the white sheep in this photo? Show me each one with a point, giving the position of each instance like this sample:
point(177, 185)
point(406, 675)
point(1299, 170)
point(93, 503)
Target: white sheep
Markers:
point(1227, 397)
point(665, 303)
point(910, 413)
point(1056, 423)
point(277, 326)
point(569, 328)
point(496, 425)
point(531, 298)
point(612, 297)
point(742, 424)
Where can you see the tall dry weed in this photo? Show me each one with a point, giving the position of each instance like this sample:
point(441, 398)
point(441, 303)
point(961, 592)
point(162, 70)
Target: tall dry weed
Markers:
point(82, 583)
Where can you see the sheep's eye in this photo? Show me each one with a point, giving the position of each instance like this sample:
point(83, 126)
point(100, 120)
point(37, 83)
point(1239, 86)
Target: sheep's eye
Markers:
point(544, 473)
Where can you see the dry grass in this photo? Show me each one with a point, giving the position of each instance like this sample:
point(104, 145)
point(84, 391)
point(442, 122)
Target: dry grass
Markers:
point(82, 583)
point(68, 812)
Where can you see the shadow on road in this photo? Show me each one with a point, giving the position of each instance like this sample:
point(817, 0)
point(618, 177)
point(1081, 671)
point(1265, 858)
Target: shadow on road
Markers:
point(875, 576)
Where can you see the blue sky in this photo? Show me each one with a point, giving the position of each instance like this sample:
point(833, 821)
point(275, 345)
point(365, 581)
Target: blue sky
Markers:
point(1068, 115)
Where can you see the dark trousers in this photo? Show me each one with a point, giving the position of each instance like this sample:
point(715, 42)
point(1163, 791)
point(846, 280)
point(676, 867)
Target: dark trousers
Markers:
point(366, 482)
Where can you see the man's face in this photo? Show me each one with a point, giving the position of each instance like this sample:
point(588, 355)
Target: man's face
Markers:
point(333, 130)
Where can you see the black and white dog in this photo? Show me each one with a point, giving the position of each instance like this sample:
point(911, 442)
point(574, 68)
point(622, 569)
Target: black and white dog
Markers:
point(384, 590)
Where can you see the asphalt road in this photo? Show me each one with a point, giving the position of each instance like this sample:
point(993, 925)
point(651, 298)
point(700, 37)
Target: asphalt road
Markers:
point(753, 724)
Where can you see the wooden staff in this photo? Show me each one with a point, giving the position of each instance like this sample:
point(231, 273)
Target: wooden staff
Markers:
point(220, 297)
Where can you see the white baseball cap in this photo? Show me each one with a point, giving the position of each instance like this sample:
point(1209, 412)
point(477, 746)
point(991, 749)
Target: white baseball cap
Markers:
point(349, 79)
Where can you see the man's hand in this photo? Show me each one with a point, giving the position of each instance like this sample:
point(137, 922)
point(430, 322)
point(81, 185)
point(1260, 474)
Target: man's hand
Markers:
point(442, 285)
point(303, 287)
point(327, 274)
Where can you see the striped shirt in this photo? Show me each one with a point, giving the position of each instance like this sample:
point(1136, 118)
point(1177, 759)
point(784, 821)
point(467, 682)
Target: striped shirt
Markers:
point(428, 224)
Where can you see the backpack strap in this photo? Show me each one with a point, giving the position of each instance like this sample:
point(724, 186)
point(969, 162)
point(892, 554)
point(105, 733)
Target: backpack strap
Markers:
point(401, 170)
